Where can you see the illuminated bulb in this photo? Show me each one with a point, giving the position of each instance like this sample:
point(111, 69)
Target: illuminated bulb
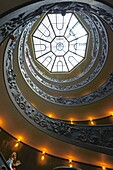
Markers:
point(71, 121)
point(43, 152)
point(16, 145)
point(103, 167)
point(18, 140)
point(43, 155)
point(50, 115)
point(91, 122)
point(70, 163)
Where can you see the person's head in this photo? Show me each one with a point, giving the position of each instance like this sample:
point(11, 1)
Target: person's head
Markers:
point(13, 155)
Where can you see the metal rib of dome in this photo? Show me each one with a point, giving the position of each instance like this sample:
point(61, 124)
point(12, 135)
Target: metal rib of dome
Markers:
point(60, 42)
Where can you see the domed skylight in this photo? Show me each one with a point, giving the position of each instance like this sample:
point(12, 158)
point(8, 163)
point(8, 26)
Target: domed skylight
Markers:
point(60, 42)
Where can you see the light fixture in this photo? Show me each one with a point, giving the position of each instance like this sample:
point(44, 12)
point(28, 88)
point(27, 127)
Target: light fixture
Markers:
point(16, 145)
point(71, 121)
point(70, 163)
point(50, 115)
point(103, 167)
point(17, 142)
point(92, 122)
point(43, 155)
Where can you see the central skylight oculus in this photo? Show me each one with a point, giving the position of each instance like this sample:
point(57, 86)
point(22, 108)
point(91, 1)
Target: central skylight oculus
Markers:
point(60, 42)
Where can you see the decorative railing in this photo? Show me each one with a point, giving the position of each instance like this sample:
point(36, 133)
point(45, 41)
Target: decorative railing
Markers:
point(3, 164)
point(98, 138)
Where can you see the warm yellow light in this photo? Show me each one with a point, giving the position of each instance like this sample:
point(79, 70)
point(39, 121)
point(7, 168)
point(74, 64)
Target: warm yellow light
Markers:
point(18, 139)
point(70, 165)
point(71, 121)
point(103, 167)
point(16, 145)
point(43, 152)
point(42, 157)
point(92, 122)
point(50, 115)
point(111, 113)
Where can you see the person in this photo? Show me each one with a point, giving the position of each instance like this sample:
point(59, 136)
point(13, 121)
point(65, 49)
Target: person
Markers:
point(12, 162)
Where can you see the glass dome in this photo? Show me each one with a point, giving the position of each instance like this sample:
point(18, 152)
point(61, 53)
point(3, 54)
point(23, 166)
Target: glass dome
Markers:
point(60, 42)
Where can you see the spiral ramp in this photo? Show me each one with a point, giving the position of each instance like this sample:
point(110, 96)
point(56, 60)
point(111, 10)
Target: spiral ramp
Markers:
point(70, 111)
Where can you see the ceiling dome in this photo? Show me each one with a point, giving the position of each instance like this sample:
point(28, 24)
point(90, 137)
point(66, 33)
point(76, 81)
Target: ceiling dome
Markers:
point(60, 42)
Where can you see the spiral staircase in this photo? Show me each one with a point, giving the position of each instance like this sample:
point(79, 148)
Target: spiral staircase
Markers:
point(70, 113)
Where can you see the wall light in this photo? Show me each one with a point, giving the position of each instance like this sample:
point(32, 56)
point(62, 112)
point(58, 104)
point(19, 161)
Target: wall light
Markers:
point(71, 121)
point(17, 142)
point(50, 115)
point(103, 167)
point(70, 163)
point(92, 122)
point(43, 155)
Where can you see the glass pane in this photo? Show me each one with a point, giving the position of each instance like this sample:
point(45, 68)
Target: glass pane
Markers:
point(60, 42)
point(41, 47)
point(80, 52)
point(59, 23)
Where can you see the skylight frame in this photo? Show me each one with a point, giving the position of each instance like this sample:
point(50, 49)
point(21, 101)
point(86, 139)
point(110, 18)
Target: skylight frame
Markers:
point(70, 52)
